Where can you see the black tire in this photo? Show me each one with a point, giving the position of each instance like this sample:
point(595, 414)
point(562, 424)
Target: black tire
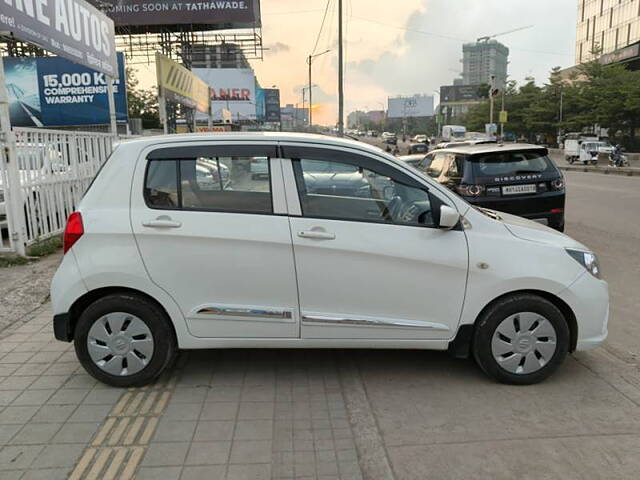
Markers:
point(503, 308)
point(165, 345)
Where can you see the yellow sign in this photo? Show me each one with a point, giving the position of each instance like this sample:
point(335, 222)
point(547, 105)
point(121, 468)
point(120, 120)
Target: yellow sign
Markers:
point(181, 85)
point(504, 116)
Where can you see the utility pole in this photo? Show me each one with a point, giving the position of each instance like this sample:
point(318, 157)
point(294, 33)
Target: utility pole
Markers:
point(340, 74)
point(309, 61)
point(501, 122)
point(309, 58)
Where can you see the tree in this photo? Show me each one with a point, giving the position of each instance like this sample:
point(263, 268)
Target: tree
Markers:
point(142, 103)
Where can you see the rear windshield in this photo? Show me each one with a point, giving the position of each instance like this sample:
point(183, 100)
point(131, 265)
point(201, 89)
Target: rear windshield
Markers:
point(510, 163)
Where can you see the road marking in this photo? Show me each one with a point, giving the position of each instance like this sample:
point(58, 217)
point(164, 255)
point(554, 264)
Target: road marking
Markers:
point(121, 442)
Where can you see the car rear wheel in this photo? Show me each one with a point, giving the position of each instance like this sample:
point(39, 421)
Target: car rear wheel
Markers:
point(521, 339)
point(124, 340)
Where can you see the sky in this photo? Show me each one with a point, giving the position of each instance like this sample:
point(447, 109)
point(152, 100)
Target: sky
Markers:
point(404, 47)
point(400, 47)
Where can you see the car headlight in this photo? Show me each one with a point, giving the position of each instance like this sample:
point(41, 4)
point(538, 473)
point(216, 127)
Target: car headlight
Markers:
point(587, 259)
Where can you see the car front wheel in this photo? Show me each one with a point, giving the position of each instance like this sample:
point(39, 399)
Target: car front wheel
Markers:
point(124, 340)
point(521, 339)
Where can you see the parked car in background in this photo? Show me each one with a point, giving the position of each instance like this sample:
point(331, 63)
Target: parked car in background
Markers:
point(419, 161)
point(420, 139)
point(259, 167)
point(389, 138)
point(154, 263)
point(517, 178)
point(417, 148)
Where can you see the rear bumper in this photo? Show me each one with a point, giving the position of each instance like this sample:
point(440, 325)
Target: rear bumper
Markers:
point(549, 206)
point(62, 327)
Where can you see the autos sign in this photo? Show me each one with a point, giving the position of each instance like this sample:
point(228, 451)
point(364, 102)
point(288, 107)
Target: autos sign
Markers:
point(234, 13)
point(72, 29)
point(52, 91)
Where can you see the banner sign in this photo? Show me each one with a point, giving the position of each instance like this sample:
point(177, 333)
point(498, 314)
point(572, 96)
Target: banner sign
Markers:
point(180, 85)
point(233, 13)
point(231, 88)
point(72, 29)
point(406, 107)
point(52, 91)
point(459, 93)
point(272, 105)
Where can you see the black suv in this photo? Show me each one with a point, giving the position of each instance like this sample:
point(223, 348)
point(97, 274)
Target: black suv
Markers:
point(518, 178)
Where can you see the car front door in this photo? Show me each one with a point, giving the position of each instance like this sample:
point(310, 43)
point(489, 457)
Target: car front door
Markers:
point(217, 238)
point(370, 260)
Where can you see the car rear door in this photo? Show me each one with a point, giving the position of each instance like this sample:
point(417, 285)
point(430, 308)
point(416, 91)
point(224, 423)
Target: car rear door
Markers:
point(216, 239)
point(365, 268)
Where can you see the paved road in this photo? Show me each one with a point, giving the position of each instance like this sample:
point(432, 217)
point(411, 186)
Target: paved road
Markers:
point(254, 415)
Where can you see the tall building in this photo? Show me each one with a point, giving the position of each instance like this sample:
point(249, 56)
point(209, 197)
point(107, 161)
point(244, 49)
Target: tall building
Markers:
point(481, 60)
point(610, 28)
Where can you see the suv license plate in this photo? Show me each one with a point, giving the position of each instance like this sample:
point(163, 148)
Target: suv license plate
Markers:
point(516, 189)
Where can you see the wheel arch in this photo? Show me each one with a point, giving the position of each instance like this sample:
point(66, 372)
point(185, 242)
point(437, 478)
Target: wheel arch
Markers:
point(460, 346)
point(91, 296)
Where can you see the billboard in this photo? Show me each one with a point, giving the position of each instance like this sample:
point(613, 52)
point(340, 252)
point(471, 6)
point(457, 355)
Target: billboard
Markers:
point(144, 14)
point(271, 105)
point(414, 106)
point(459, 93)
point(73, 29)
point(180, 85)
point(52, 91)
point(231, 88)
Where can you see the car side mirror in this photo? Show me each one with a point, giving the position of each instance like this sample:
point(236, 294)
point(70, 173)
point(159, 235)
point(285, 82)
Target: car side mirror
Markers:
point(449, 217)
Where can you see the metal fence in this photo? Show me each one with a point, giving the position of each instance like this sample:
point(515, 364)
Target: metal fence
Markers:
point(46, 182)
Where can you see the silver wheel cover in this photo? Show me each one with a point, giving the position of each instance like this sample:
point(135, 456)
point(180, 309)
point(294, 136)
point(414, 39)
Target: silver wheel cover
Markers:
point(523, 343)
point(120, 344)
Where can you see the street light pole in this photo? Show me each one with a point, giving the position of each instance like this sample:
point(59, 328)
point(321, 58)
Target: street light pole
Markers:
point(309, 61)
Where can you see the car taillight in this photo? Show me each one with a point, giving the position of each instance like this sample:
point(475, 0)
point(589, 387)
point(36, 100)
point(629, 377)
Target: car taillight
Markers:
point(73, 231)
point(557, 184)
point(471, 190)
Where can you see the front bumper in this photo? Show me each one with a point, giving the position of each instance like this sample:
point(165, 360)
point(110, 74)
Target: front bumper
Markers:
point(588, 297)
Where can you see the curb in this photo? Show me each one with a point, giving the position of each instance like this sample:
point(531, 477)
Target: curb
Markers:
point(629, 172)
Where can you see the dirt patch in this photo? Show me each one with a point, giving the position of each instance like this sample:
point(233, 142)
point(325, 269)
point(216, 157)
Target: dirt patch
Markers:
point(23, 288)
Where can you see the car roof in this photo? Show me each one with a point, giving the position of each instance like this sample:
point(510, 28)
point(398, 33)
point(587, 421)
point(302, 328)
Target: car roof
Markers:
point(491, 148)
point(415, 156)
point(251, 137)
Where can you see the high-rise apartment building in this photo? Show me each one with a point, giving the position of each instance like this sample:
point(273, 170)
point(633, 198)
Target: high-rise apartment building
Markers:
point(605, 27)
point(483, 59)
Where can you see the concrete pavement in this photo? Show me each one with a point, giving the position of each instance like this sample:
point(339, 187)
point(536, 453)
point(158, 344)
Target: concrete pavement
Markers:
point(252, 414)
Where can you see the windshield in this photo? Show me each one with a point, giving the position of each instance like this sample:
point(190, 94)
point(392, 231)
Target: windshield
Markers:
point(510, 163)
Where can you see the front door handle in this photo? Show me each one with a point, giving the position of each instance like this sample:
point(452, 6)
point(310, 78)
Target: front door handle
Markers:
point(317, 235)
point(162, 222)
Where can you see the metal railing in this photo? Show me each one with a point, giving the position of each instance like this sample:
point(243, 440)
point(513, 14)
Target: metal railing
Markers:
point(51, 172)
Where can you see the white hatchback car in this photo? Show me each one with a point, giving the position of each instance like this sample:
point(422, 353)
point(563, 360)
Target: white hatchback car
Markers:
point(375, 255)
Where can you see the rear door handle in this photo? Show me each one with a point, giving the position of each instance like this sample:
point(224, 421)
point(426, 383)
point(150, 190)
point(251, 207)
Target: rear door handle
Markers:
point(162, 223)
point(317, 235)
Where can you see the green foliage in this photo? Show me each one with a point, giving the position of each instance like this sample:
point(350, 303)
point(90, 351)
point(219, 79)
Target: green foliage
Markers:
point(142, 103)
point(597, 95)
point(45, 247)
point(12, 260)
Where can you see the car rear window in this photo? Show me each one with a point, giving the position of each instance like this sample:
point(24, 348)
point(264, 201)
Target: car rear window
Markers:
point(510, 163)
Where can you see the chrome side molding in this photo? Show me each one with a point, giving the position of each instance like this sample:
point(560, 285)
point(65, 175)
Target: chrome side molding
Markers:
point(225, 311)
point(372, 322)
